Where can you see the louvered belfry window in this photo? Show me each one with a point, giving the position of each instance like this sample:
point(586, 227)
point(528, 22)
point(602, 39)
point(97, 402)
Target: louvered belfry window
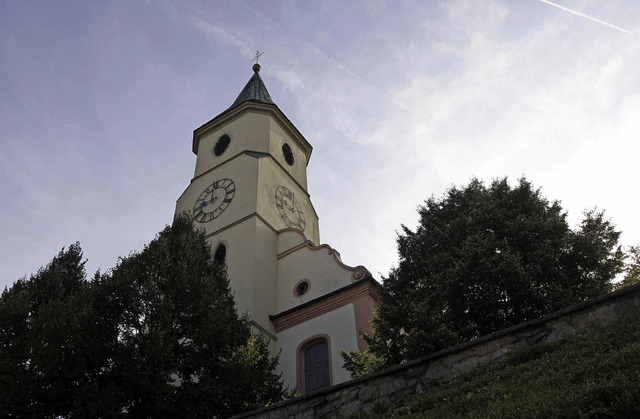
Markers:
point(316, 366)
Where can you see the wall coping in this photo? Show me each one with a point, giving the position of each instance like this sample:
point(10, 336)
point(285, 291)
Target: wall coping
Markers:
point(612, 296)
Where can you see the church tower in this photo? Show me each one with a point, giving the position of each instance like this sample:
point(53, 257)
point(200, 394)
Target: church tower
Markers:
point(249, 193)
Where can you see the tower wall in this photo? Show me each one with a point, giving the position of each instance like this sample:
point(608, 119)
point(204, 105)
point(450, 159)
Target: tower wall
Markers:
point(249, 193)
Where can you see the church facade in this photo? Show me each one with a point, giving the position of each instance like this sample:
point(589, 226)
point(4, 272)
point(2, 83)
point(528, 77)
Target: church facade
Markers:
point(249, 193)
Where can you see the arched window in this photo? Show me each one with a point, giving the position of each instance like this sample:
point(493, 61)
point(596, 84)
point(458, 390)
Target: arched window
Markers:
point(220, 256)
point(315, 364)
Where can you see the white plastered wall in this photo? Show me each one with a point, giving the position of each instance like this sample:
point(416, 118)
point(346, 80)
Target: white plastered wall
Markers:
point(338, 324)
point(277, 138)
point(320, 265)
point(256, 178)
point(248, 132)
point(252, 131)
point(243, 171)
point(270, 177)
point(252, 268)
point(262, 283)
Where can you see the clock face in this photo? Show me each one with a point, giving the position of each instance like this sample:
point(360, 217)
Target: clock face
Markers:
point(289, 208)
point(214, 200)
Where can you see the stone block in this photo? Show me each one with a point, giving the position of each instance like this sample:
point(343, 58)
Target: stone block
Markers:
point(350, 408)
point(369, 392)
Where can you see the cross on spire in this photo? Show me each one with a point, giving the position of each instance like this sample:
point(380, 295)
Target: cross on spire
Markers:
point(258, 55)
point(256, 66)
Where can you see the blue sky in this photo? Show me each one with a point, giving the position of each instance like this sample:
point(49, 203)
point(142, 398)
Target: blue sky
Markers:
point(400, 99)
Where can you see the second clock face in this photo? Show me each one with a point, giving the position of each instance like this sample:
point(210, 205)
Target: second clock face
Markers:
point(214, 200)
point(289, 208)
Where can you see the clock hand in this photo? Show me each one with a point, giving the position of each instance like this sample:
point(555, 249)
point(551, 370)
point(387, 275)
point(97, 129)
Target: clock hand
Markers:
point(290, 205)
point(213, 196)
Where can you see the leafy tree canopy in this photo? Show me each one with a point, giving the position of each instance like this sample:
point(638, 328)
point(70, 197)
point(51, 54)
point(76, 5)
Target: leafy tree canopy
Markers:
point(631, 268)
point(157, 336)
point(484, 258)
point(44, 349)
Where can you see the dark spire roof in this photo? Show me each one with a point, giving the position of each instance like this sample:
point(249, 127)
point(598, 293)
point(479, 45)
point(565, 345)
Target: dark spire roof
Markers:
point(254, 91)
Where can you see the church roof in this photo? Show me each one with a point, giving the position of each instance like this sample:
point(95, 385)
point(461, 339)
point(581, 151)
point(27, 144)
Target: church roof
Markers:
point(254, 91)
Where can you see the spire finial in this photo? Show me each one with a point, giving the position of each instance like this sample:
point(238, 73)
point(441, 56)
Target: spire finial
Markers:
point(256, 66)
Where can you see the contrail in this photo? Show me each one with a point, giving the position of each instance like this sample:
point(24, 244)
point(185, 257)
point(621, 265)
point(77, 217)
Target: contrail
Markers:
point(602, 22)
point(326, 56)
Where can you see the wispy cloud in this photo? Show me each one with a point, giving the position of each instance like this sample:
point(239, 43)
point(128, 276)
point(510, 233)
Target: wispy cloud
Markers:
point(221, 34)
point(591, 18)
point(325, 56)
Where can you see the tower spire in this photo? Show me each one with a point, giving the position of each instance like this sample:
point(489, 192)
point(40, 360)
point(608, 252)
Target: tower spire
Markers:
point(255, 90)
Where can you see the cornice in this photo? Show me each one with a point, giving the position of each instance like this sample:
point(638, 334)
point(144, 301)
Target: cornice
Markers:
point(361, 289)
point(358, 272)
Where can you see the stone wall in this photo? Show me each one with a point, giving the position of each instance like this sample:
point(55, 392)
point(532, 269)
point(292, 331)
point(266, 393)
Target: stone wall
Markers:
point(394, 384)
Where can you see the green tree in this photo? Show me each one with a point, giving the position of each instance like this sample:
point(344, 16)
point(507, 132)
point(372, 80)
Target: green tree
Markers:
point(631, 268)
point(486, 258)
point(179, 347)
point(361, 363)
point(45, 348)
point(157, 336)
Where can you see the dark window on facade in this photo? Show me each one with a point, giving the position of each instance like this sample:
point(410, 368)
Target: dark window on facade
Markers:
point(302, 288)
point(288, 154)
point(316, 366)
point(221, 145)
point(220, 256)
